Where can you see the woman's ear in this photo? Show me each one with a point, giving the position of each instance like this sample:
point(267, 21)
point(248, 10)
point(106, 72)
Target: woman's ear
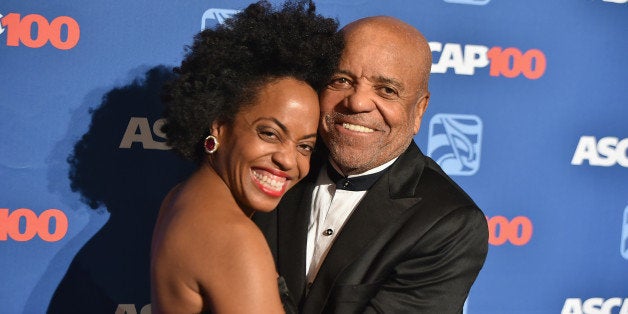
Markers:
point(219, 129)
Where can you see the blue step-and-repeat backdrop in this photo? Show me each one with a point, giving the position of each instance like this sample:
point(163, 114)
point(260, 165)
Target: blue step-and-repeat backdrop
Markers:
point(529, 114)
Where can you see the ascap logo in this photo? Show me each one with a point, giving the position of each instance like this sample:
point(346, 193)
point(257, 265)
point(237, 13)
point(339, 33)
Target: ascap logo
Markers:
point(130, 309)
point(517, 231)
point(62, 32)
point(23, 224)
point(507, 62)
point(623, 246)
point(144, 136)
point(606, 152)
point(472, 2)
point(595, 306)
point(454, 142)
point(216, 16)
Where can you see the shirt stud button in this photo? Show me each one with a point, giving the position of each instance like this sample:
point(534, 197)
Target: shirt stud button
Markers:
point(328, 232)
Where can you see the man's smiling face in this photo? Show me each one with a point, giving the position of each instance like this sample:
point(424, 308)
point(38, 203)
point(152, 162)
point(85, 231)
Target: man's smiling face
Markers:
point(373, 106)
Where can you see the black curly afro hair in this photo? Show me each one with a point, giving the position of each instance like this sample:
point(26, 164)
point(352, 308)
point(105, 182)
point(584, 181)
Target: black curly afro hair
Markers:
point(225, 67)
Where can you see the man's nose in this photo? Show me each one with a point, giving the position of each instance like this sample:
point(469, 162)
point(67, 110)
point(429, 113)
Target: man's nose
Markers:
point(360, 99)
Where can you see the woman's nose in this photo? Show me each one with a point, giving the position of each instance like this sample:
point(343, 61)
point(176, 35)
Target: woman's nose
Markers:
point(285, 156)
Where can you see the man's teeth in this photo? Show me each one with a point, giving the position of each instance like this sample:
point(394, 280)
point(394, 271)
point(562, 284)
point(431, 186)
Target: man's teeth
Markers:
point(357, 128)
point(271, 182)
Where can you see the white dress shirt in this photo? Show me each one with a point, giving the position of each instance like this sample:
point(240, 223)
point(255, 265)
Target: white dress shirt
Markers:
point(330, 209)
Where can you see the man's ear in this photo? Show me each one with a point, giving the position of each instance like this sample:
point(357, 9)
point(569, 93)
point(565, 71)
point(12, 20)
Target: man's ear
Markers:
point(419, 110)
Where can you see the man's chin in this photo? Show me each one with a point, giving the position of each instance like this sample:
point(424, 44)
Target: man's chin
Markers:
point(354, 160)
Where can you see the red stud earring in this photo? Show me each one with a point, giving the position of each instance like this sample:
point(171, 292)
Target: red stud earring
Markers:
point(211, 144)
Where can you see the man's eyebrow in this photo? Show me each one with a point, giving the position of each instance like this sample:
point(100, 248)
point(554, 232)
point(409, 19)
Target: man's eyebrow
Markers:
point(388, 80)
point(377, 79)
point(346, 72)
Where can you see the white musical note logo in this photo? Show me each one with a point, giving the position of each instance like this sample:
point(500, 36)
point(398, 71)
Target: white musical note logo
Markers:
point(454, 143)
point(220, 15)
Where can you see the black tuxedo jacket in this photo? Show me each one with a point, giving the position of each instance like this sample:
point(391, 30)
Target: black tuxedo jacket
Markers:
point(414, 244)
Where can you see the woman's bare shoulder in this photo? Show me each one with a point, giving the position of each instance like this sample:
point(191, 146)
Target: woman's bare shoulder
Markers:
point(188, 223)
point(200, 233)
point(213, 251)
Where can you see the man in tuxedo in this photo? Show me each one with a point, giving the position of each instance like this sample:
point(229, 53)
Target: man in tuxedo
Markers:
point(377, 226)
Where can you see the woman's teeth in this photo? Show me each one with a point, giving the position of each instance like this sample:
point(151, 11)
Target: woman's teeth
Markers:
point(269, 181)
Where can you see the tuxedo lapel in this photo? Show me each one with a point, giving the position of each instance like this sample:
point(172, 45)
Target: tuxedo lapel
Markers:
point(383, 204)
point(292, 223)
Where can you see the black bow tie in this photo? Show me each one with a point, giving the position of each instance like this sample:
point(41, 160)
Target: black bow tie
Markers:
point(359, 183)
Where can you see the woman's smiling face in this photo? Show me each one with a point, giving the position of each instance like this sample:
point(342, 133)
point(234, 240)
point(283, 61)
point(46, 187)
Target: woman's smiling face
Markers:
point(267, 148)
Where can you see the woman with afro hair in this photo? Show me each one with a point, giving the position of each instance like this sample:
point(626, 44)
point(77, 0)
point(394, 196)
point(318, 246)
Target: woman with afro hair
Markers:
point(244, 107)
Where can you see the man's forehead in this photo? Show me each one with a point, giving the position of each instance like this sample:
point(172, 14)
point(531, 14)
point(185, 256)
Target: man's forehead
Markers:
point(396, 72)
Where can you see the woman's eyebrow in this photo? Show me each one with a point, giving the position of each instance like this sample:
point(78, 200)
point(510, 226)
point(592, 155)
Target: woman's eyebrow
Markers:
point(283, 126)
